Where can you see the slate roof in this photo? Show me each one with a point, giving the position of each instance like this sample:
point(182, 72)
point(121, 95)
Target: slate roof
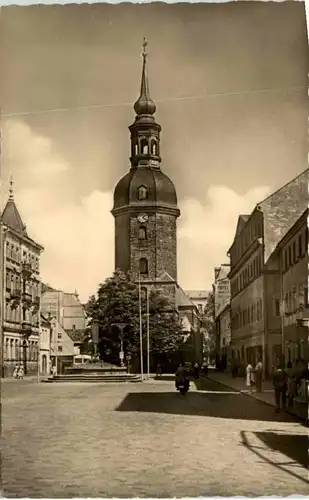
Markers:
point(182, 300)
point(197, 294)
point(12, 218)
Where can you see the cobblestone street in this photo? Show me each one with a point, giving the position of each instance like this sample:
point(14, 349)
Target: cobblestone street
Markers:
point(62, 440)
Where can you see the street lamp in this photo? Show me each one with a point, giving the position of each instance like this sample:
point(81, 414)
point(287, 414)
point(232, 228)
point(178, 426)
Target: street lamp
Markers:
point(121, 327)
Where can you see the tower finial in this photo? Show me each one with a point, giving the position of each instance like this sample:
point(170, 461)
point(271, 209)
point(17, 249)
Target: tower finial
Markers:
point(145, 43)
point(144, 105)
point(11, 197)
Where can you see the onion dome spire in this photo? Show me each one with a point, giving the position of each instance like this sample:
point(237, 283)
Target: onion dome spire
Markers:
point(144, 104)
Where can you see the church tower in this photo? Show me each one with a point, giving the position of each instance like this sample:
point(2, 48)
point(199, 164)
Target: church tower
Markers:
point(145, 202)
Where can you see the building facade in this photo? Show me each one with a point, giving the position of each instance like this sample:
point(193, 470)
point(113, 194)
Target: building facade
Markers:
point(255, 278)
point(145, 204)
point(291, 259)
point(45, 342)
point(21, 293)
point(64, 306)
point(199, 298)
point(63, 346)
point(223, 321)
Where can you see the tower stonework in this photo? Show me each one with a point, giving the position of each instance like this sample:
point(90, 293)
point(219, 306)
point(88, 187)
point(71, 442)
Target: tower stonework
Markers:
point(145, 204)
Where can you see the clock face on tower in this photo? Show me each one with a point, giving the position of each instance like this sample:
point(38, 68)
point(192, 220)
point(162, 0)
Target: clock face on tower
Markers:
point(142, 218)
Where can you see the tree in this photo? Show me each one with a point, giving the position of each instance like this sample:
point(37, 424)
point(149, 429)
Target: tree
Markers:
point(209, 326)
point(117, 301)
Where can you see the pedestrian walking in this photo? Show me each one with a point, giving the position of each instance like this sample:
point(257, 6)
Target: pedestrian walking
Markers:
point(205, 368)
point(159, 370)
point(21, 372)
point(15, 373)
point(280, 387)
point(258, 373)
point(196, 370)
point(249, 377)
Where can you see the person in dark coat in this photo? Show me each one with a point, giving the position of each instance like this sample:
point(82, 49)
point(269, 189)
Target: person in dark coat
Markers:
point(280, 383)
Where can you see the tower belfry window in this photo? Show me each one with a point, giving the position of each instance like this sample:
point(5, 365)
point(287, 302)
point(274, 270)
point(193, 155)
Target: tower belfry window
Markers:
point(143, 266)
point(142, 233)
point(154, 147)
point(142, 193)
point(144, 146)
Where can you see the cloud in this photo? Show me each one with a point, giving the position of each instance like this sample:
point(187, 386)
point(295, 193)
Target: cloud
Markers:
point(206, 231)
point(77, 232)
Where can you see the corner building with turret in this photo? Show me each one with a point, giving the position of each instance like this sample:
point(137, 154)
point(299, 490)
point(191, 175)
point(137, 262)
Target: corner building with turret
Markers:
point(145, 204)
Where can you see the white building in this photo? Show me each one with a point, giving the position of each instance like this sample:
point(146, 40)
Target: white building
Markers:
point(63, 346)
point(199, 298)
point(45, 346)
point(65, 307)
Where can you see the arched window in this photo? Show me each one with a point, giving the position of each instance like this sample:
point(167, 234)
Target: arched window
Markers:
point(154, 147)
point(135, 149)
point(143, 266)
point(144, 146)
point(142, 193)
point(142, 233)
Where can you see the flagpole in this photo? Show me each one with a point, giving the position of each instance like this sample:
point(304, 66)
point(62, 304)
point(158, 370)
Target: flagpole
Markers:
point(140, 324)
point(148, 340)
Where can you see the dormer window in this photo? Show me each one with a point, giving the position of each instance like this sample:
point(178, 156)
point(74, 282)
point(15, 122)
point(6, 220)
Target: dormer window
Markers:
point(142, 193)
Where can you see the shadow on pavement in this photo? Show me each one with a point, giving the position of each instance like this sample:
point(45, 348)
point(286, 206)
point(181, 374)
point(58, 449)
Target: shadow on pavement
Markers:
point(210, 404)
point(295, 447)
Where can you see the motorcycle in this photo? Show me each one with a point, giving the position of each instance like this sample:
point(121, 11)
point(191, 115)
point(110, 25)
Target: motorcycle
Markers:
point(183, 386)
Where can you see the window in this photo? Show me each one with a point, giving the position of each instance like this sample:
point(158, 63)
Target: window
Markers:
point(300, 246)
point(144, 146)
point(59, 348)
point(306, 296)
point(290, 257)
point(59, 335)
point(294, 253)
point(154, 147)
point(142, 233)
point(143, 266)
point(143, 293)
point(142, 193)
point(277, 307)
point(200, 308)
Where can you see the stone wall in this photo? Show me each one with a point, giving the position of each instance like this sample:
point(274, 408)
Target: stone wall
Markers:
point(166, 243)
point(122, 242)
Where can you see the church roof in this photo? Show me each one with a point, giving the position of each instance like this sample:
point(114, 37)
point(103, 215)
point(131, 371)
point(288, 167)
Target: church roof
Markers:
point(161, 190)
point(12, 218)
point(182, 300)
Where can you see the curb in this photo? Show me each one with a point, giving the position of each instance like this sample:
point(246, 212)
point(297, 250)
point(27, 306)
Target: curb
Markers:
point(302, 419)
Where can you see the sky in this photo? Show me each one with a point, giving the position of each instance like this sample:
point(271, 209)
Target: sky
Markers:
point(230, 84)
